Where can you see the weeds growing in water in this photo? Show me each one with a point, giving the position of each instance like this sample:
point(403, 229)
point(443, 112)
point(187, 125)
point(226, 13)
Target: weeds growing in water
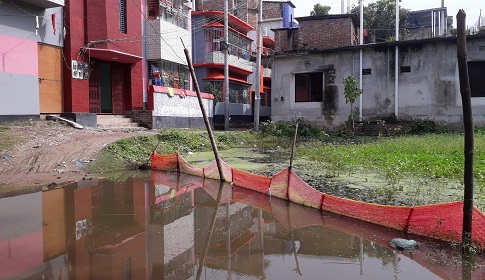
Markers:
point(427, 157)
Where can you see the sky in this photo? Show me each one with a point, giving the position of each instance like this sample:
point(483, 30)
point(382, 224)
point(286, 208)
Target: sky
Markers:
point(471, 7)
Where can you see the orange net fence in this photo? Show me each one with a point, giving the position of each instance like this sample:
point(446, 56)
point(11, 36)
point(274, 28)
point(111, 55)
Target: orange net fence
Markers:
point(441, 221)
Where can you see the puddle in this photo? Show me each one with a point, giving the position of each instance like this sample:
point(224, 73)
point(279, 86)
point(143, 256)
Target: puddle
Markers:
point(175, 226)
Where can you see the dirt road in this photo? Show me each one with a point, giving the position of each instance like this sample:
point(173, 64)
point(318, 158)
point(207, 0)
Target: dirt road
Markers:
point(52, 153)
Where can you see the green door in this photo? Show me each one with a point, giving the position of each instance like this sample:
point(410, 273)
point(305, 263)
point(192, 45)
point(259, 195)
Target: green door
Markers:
point(105, 87)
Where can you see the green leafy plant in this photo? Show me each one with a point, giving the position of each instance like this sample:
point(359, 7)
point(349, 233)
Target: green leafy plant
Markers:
point(320, 10)
point(351, 92)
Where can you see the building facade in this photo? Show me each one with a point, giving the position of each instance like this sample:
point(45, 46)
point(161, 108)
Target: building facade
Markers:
point(31, 40)
point(103, 73)
point(208, 59)
point(428, 84)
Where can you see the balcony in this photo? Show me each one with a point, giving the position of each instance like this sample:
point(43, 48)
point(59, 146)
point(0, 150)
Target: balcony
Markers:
point(44, 3)
point(218, 57)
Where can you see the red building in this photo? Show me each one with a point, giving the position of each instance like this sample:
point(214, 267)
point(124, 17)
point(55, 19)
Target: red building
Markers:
point(103, 71)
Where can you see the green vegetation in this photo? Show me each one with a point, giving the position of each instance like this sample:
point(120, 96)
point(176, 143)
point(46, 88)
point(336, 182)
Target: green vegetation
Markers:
point(320, 10)
point(427, 164)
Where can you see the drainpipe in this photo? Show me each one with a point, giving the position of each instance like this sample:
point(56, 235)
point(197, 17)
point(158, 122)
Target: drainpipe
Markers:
point(361, 39)
point(396, 66)
point(144, 64)
point(342, 6)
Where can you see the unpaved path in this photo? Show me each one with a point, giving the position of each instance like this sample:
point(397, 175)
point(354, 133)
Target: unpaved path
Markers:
point(52, 153)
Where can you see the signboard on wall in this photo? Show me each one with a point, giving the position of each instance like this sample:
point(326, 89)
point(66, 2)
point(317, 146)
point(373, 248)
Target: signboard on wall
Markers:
point(80, 70)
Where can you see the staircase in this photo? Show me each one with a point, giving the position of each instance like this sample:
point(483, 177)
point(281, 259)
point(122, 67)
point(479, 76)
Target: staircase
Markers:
point(117, 122)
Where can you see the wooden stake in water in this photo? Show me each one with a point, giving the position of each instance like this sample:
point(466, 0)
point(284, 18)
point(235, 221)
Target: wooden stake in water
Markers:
point(204, 114)
point(468, 125)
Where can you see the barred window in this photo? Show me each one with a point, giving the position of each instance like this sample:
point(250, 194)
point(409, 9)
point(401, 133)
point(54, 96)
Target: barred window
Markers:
point(123, 28)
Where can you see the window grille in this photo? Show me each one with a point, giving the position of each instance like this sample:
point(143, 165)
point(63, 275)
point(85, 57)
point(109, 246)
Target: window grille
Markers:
point(123, 28)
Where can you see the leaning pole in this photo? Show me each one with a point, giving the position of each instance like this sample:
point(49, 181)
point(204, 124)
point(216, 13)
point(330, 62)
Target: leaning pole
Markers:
point(468, 126)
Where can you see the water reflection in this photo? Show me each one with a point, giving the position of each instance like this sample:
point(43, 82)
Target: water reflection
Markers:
point(175, 226)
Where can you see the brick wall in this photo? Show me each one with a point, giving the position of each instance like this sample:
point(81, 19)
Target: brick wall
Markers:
point(325, 34)
point(283, 42)
point(272, 10)
point(143, 118)
point(317, 34)
point(208, 5)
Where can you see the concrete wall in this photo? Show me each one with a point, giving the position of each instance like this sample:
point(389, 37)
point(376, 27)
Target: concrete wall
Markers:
point(178, 111)
point(19, 38)
point(429, 92)
point(171, 47)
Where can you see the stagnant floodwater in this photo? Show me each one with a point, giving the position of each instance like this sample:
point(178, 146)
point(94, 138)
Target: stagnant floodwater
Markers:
point(172, 226)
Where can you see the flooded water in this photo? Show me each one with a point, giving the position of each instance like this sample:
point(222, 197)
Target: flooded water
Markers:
point(173, 226)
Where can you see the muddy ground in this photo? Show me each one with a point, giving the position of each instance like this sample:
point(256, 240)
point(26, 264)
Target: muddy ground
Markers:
point(51, 153)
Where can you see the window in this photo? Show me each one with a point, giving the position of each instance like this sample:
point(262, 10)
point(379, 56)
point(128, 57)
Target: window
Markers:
point(367, 71)
point(238, 93)
point(405, 69)
point(175, 13)
point(123, 28)
point(476, 73)
point(171, 74)
point(309, 87)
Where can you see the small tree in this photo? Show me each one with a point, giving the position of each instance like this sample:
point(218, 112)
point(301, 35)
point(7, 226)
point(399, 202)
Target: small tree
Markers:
point(351, 92)
point(320, 10)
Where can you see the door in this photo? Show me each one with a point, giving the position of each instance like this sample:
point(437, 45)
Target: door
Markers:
point(50, 79)
point(105, 87)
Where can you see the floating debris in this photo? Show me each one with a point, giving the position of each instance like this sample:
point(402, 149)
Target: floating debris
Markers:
point(404, 244)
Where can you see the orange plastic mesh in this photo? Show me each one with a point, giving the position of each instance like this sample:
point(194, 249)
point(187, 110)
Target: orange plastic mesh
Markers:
point(279, 209)
point(301, 216)
point(442, 221)
point(164, 162)
point(212, 188)
point(187, 168)
point(478, 228)
point(186, 181)
point(250, 197)
point(250, 181)
point(302, 193)
point(390, 216)
point(164, 178)
point(279, 184)
point(211, 171)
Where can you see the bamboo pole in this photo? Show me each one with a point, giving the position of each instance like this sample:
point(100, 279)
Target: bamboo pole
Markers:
point(293, 148)
point(204, 114)
point(211, 231)
point(468, 126)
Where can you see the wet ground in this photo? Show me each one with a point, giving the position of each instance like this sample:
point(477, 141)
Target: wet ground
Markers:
point(171, 226)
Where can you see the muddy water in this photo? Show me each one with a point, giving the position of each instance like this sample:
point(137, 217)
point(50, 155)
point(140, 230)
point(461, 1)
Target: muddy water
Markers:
point(170, 226)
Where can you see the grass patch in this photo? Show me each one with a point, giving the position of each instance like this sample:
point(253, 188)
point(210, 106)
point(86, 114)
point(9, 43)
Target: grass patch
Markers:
point(134, 153)
point(427, 156)
point(8, 139)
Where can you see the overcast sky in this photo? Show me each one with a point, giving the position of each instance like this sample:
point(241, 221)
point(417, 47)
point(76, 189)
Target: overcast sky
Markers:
point(471, 7)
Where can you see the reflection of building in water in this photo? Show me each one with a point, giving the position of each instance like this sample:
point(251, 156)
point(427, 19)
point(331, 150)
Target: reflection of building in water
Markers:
point(170, 233)
point(234, 246)
point(143, 230)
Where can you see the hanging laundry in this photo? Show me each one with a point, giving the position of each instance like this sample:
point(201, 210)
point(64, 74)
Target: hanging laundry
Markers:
point(53, 20)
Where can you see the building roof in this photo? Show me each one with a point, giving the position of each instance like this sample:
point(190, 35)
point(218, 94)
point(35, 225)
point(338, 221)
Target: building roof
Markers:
point(354, 17)
point(416, 42)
